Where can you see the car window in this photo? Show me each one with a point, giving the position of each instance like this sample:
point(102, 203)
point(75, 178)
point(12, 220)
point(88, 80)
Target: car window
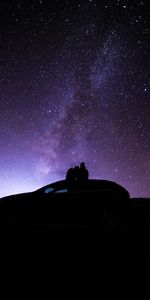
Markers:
point(62, 191)
point(48, 190)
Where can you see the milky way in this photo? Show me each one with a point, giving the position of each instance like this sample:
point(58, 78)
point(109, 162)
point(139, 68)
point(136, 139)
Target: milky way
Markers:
point(74, 86)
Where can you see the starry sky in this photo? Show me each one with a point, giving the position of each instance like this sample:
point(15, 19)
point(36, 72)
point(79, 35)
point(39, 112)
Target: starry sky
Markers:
point(74, 86)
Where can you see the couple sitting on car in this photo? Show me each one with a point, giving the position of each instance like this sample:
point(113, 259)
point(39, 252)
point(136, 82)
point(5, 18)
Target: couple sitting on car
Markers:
point(77, 173)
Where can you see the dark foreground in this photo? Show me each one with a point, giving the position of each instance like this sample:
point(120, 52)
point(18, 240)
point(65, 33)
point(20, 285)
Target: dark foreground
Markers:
point(113, 225)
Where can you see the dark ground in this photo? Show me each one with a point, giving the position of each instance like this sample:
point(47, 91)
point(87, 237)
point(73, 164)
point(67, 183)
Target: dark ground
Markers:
point(113, 226)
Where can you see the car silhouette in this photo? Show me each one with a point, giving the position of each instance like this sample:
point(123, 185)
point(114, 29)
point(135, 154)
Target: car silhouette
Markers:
point(90, 190)
point(64, 208)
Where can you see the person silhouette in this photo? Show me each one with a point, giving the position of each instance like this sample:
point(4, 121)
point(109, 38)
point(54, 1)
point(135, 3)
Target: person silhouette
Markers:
point(83, 172)
point(70, 176)
point(73, 174)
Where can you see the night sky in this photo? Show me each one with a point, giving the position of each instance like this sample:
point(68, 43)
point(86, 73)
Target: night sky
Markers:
point(74, 86)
